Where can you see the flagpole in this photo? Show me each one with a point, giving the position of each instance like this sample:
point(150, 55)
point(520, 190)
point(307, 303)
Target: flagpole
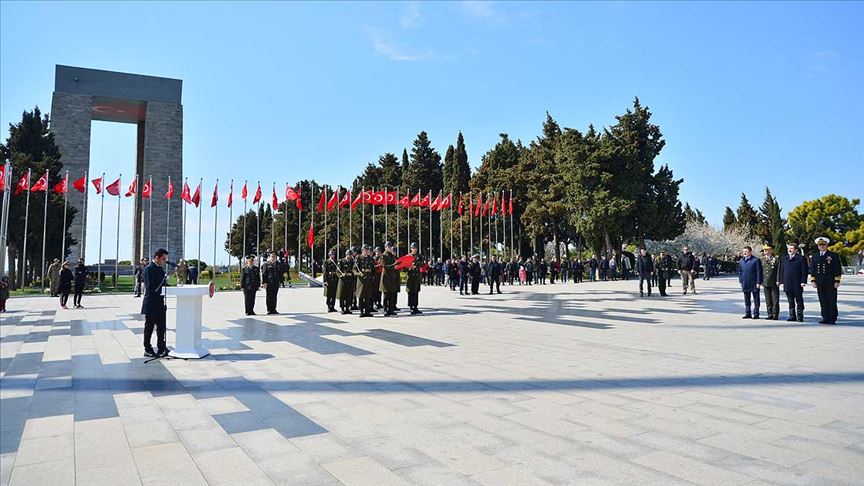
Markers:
point(150, 219)
point(215, 229)
point(311, 222)
point(351, 219)
point(419, 226)
point(117, 245)
point(397, 219)
point(273, 224)
point(65, 206)
point(489, 227)
point(480, 223)
point(471, 222)
point(200, 210)
point(285, 223)
point(338, 219)
point(440, 230)
point(44, 229)
point(141, 217)
point(245, 213)
point(324, 208)
point(510, 210)
point(431, 246)
point(386, 212)
point(363, 216)
point(373, 219)
point(461, 233)
point(408, 216)
point(299, 235)
point(230, 230)
point(26, 218)
point(185, 184)
point(84, 217)
point(258, 229)
point(167, 219)
point(4, 211)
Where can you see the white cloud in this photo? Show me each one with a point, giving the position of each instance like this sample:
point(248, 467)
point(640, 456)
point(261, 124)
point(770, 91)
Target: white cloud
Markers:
point(478, 9)
point(411, 18)
point(392, 50)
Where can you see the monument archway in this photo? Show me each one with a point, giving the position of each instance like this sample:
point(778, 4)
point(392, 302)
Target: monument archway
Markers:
point(82, 95)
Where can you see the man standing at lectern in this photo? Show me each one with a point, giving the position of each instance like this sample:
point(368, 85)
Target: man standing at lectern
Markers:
point(153, 305)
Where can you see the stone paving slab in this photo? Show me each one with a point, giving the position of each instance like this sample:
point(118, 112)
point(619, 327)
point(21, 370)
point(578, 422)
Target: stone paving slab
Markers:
point(555, 384)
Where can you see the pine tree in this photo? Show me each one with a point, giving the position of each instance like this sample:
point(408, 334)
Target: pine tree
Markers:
point(729, 220)
point(771, 227)
point(31, 145)
point(449, 162)
point(746, 217)
point(461, 170)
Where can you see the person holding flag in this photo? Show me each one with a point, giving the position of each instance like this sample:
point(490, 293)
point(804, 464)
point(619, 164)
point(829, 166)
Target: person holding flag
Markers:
point(390, 280)
point(415, 267)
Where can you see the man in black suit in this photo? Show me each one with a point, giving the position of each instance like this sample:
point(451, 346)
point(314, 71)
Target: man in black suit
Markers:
point(153, 305)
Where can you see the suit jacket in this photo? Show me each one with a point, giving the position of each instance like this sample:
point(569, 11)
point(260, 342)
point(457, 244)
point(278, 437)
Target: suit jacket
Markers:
point(154, 280)
point(825, 269)
point(793, 272)
point(749, 273)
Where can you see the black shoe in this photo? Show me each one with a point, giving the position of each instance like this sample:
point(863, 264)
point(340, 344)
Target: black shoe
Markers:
point(800, 318)
point(791, 319)
point(499, 291)
point(823, 321)
point(149, 353)
point(641, 294)
point(756, 316)
point(162, 353)
point(272, 313)
point(747, 316)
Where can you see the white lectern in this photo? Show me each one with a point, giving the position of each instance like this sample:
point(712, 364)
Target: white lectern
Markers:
point(188, 320)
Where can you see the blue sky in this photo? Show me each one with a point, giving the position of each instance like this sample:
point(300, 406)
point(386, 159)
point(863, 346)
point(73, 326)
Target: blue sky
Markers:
point(746, 94)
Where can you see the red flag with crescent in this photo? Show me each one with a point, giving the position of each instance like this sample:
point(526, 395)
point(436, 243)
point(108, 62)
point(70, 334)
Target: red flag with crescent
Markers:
point(60, 187)
point(170, 192)
point(41, 184)
point(113, 188)
point(147, 189)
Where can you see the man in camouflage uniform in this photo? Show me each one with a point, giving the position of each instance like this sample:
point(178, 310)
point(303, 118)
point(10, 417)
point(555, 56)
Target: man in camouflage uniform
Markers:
point(414, 280)
point(664, 267)
point(345, 289)
point(390, 280)
point(331, 280)
point(377, 293)
point(770, 281)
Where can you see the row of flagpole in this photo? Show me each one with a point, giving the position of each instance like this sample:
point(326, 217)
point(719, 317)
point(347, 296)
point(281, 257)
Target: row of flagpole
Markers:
point(336, 200)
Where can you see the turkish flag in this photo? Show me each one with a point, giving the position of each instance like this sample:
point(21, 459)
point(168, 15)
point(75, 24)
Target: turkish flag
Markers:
point(321, 200)
point(478, 206)
point(113, 188)
point(310, 237)
point(346, 199)
point(510, 209)
point(244, 192)
point(215, 198)
point(494, 206)
point(367, 197)
point(274, 201)
point(333, 200)
point(426, 200)
point(170, 193)
point(41, 184)
point(23, 184)
point(231, 193)
point(503, 207)
point(447, 203)
point(391, 198)
point(405, 201)
point(147, 189)
point(459, 208)
point(257, 194)
point(186, 193)
point(378, 198)
point(196, 198)
point(3, 177)
point(291, 194)
point(415, 201)
point(60, 187)
point(81, 184)
point(299, 201)
point(404, 262)
point(132, 187)
point(436, 204)
point(357, 200)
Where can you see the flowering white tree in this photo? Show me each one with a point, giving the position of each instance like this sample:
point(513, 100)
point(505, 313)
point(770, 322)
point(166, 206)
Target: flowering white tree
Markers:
point(702, 237)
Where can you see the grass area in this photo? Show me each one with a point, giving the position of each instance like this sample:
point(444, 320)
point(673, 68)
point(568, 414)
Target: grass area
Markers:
point(125, 285)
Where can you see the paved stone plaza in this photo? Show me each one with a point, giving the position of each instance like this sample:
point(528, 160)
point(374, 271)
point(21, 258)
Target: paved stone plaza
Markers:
point(556, 384)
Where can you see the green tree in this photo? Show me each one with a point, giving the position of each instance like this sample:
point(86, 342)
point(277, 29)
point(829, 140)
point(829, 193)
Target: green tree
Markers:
point(835, 217)
point(449, 161)
point(746, 217)
point(665, 218)
point(771, 227)
point(31, 145)
point(729, 220)
point(461, 175)
point(493, 177)
point(694, 215)
point(424, 172)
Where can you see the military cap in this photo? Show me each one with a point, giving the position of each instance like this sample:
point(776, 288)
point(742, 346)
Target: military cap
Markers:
point(367, 246)
point(332, 252)
point(348, 252)
point(767, 246)
point(413, 245)
point(822, 240)
point(388, 244)
point(378, 249)
point(250, 257)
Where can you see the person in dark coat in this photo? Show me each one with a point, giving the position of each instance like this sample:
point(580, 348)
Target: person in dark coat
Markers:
point(80, 283)
point(474, 271)
point(793, 279)
point(4, 292)
point(250, 282)
point(687, 269)
point(825, 273)
point(331, 280)
point(494, 273)
point(345, 289)
point(645, 269)
point(139, 278)
point(367, 281)
point(271, 279)
point(65, 284)
point(153, 305)
point(770, 284)
point(750, 278)
point(463, 275)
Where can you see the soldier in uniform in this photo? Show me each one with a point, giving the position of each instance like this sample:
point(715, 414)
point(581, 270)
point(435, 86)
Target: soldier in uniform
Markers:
point(825, 272)
point(355, 252)
point(250, 282)
point(54, 276)
point(182, 272)
point(415, 277)
point(792, 279)
point(331, 280)
point(271, 277)
point(770, 275)
point(345, 289)
point(663, 266)
point(364, 269)
point(390, 280)
point(377, 292)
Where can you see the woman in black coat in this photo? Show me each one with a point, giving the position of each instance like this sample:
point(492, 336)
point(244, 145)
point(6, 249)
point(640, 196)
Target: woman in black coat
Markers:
point(80, 283)
point(66, 278)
